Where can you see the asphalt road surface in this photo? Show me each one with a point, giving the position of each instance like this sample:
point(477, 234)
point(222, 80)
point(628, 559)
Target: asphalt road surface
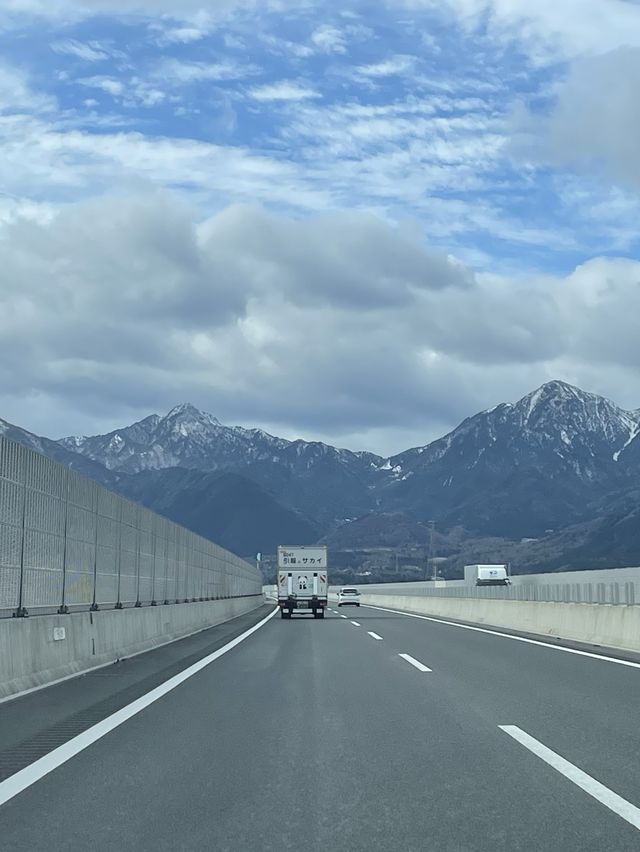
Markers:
point(390, 733)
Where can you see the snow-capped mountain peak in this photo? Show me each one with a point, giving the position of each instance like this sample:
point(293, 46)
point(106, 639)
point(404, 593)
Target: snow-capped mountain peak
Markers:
point(558, 409)
point(186, 412)
point(557, 419)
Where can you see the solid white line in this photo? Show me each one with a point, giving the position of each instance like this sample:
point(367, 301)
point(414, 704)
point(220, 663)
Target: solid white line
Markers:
point(549, 645)
point(375, 635)
point(127, 656)
point(420, 666)
point(355, 623)
point(35, 771)
point(594, 788)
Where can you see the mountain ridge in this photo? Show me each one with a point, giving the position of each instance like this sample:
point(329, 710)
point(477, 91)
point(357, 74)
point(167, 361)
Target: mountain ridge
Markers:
point(552, 459)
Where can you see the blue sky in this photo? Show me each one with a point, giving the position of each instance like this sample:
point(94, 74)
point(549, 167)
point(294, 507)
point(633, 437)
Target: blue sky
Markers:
point(456, 124)
point(408, 113)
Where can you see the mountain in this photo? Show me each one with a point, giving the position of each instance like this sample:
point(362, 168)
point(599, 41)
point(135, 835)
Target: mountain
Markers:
point(324, 482)
point(231, 510)
point(518, 470)
point(185, 437)
point(557, 458)
point(378, 529)
point(56, 452)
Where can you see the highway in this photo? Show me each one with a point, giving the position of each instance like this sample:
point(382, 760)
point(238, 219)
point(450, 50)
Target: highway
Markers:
point(368, 730)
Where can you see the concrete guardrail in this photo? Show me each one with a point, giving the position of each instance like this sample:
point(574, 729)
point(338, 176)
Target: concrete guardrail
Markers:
point(594, 624)
point(40, 651)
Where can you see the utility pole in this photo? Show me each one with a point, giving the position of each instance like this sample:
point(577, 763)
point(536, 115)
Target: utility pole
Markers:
point(431, 526)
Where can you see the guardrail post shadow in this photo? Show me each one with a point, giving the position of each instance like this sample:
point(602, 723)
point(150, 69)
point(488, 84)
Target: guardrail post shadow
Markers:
point(138, 513)
point(94, 605)
point(21, 611)
point(629, 594)
point(63, 609)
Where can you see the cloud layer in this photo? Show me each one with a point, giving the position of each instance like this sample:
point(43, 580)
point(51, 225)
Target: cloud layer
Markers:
point(338, 325)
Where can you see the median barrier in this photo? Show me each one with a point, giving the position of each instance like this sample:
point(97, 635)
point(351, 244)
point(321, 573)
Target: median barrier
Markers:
point(38, 651)
point(593, 624)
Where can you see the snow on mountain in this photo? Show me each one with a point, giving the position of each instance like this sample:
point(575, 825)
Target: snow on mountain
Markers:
point(556, 417)
point(190, 438)
point(185, 437)
point(531, 465)
point(515, 469)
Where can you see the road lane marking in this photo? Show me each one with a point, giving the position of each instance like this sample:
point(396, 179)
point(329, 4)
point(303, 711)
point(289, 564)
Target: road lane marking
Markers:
point(342, 616)
point(418, 665)
point(375, 635)
point(15, 784)
point(356, 623)
point(549, 645)
point(594, 788)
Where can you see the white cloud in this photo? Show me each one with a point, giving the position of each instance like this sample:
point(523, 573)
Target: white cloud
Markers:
point(184, 73)
point(283, 90)
point(89, 51)
point(236, 313)
point(594, 123)
point(233, 42)
point(109, 85)
point(285, 47)
point(183, 28)
point(182, 35)
point(394, 66)
point(44, 160)
point(329, 39)
point(547, 29)
point(16, 93)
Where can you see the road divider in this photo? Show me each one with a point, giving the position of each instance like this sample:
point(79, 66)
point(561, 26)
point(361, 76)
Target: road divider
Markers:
point(46, 649)
point(612, 626)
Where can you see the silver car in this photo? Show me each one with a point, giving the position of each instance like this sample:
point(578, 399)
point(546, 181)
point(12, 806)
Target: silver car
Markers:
point(348, 597)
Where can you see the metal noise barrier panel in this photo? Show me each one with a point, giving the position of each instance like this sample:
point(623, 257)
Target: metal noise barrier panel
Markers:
point(69, 544)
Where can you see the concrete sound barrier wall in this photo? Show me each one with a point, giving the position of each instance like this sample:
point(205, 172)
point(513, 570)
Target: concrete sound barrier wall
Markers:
point(39, 651)
point(594, 624)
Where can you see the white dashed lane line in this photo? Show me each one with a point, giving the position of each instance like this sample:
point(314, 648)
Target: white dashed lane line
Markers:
point(375, 635)
point(415, 663)
point(355, 623)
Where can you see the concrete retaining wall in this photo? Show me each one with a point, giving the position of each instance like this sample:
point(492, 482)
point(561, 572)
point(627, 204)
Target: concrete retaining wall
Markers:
point(595, 624)
point(38, 651)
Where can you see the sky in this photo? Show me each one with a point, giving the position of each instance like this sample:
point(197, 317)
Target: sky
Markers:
point(358, 222)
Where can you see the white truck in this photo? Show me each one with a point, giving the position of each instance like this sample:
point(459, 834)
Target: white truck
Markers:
point(302, 579)
point(487, 575)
